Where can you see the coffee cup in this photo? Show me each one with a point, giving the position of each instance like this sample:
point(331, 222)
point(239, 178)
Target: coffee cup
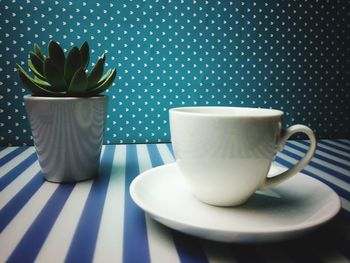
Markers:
point(225, 153)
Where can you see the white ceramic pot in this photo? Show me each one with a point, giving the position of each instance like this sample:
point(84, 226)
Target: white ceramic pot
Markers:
point(67, 133)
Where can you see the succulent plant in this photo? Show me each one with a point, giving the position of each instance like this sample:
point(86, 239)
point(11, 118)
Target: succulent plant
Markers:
point(56, 75)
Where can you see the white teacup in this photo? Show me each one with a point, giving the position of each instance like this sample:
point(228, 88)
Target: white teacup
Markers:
point(225, 153)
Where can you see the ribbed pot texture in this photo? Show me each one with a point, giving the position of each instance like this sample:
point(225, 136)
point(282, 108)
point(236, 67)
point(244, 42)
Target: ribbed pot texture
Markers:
point(67, 133)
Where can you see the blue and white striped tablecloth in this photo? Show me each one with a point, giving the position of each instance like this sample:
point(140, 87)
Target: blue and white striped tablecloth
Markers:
point(97, 221)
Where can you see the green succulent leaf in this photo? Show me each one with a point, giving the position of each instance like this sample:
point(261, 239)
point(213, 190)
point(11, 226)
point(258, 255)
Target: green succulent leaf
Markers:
point(33, 69)
point(54, 76)
point(73, 63)
point(37, 87)
point(79, 82)
point(57, 75)
point(57, 56)
point(37, 62)
point(38, 52)
point(85, 56)
point(42, 83)
point(96, 72)
point(103, 84)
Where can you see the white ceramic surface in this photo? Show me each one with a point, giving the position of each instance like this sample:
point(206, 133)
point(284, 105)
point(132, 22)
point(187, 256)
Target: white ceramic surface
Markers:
point(68, 135)
point(225, 153)
point(287, 210)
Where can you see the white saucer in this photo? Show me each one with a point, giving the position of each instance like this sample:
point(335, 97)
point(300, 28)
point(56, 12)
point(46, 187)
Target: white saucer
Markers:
point(285, 211)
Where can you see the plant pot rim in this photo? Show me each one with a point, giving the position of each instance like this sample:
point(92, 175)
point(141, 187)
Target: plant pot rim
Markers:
point(46, 98)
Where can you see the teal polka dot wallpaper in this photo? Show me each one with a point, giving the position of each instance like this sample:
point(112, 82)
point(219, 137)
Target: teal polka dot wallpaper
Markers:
point(290, 55)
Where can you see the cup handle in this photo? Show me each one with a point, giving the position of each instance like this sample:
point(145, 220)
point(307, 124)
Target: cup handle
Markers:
point(299, 165)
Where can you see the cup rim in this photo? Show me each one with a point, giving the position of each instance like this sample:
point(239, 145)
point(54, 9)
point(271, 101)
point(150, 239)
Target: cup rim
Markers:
point(227, 112)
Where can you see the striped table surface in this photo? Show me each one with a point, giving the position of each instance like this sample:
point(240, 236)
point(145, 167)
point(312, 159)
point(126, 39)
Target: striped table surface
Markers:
point(96, 220)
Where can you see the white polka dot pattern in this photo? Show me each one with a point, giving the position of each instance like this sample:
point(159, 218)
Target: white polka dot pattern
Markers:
point(288, 55)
